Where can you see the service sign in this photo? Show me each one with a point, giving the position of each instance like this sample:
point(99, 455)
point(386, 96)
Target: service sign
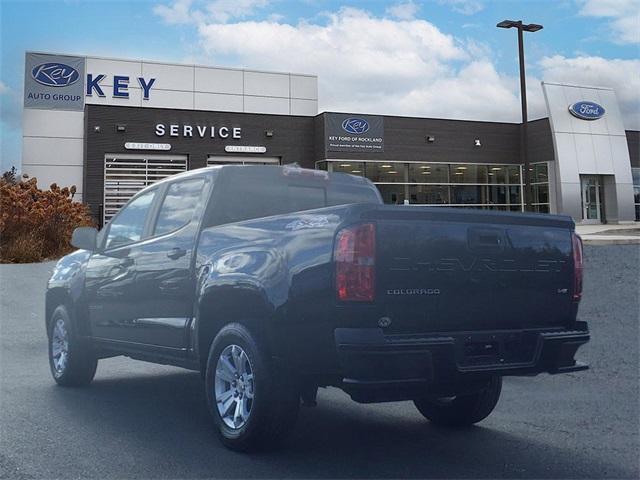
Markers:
point(354, 133)
point(54, 82)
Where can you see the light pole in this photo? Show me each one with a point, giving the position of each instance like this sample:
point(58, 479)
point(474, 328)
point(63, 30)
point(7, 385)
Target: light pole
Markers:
point(524, 157)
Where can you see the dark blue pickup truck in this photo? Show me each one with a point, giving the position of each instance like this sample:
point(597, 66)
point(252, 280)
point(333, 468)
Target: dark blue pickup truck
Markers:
point(274, 281)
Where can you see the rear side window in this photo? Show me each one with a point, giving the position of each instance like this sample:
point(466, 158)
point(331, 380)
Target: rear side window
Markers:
point(262, 199)
point(541, 240)
point(179, 205)
point(254, 192)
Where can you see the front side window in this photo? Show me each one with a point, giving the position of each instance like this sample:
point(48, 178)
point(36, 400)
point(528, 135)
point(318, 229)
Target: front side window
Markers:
point(179, 205)
point(128, 226)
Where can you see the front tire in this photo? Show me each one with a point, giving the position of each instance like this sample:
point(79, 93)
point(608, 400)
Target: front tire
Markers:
point(71, 360)
point(254, 404)
point(463, 410)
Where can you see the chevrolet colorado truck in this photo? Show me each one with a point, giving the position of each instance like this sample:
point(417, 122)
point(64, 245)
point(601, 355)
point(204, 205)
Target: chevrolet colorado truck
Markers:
point(274, 281)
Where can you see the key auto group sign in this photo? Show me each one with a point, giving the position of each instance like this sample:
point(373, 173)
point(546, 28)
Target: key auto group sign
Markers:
point(354, 133)
point(54, 82)
point(59, 82)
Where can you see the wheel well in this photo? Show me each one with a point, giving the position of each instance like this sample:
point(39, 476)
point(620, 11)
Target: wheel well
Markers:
point(226, 306)
point(55, 297)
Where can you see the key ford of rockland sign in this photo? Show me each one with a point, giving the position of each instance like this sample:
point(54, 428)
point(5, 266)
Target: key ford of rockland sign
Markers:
point(354, 133)
point(58, 82)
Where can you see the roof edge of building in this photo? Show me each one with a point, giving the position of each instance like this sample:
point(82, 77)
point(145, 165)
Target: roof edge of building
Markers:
point(430, 118)
point(563, 84)
point(178, 64)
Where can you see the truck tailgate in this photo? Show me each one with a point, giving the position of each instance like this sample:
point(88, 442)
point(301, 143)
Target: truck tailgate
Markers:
point(443, 270)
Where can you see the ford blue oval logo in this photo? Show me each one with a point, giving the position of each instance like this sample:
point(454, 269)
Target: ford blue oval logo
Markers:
point(357, 126)
point(55, 74)
point(586, 110)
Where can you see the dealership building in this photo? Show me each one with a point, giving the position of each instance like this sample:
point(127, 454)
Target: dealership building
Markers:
point(112, 127)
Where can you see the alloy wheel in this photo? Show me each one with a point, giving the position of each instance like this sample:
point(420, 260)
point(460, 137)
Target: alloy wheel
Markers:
point(60, 346)
point(234, 386)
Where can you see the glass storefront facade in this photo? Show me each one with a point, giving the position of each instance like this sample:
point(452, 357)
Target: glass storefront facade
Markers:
point(635, 172)
point(539, 177)
point(485, 186)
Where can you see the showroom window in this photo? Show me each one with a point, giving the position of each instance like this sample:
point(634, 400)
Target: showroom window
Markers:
point(127, 174)
point(386, 172)
point(539, 177)
point(486, 186)
point(636, 191)
point(354, 168)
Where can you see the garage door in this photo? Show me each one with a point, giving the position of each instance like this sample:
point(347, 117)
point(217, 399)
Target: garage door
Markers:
point(127, 174)
point(228, 160)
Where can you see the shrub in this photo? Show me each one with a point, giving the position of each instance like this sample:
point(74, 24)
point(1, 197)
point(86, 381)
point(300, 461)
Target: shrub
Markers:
point(10, 175)
point(37, 224)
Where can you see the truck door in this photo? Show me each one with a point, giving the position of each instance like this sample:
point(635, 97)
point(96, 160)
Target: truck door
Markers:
point(110, 274)
point(165, 284)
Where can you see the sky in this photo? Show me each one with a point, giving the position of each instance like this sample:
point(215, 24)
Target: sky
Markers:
point(429, 58)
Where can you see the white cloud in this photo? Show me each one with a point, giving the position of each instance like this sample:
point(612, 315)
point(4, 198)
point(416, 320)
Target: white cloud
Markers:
point(3, 88)
point(188, 11)
point(385, 65)
point(403, 11)
point(275, 17)
point(624, 17)
point(225, 10)
point(465, 7)
point(178, 12)
point(607, 8)
point(372, 64)
point(621, 75)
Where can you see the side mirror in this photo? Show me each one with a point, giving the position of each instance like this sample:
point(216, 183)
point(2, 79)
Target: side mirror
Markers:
point(85, 238)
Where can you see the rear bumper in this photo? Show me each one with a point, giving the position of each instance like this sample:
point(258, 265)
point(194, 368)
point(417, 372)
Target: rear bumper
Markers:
point(378, 367)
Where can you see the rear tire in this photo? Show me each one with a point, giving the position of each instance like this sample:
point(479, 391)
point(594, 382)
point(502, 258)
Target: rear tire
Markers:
point(71, 360)
point(463, 410)
point(253, 402)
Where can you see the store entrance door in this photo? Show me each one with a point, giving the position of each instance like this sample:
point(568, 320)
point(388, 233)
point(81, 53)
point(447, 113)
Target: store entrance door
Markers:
point(592, 198)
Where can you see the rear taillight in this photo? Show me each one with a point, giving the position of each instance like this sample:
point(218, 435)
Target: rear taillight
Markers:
point(354, 254)
point(577, 267)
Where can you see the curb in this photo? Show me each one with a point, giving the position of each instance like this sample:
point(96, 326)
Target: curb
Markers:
point(613, 241)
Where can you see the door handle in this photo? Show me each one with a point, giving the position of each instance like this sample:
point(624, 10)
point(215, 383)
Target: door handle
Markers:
point(121, 267)
point(126, 262)
point(176, 253)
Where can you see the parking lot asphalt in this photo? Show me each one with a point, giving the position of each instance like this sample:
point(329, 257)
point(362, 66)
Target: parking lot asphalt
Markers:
point(138, 420)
